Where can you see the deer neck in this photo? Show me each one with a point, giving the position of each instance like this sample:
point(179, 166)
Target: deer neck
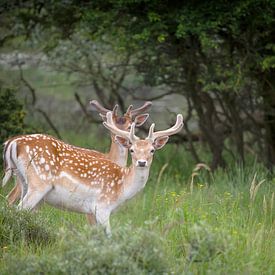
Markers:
point(118, 154)
point(135, 180)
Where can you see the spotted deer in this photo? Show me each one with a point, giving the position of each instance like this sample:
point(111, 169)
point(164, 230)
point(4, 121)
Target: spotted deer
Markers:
point(117, 153)
point(69, 178)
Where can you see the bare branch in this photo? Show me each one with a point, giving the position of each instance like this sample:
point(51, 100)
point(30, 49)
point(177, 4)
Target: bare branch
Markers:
point(28, 85)
point(154, 97)
point(44, 114)
point(33, 103)
point(84, 110)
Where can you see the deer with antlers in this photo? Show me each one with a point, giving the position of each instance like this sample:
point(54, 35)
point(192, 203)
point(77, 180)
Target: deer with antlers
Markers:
point(117, 153)
point(68, 178)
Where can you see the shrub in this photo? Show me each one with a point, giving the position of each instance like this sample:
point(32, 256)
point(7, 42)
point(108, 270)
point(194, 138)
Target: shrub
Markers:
point(23, 226)
point(91, 252)
point(11, 114)
point(204, 243)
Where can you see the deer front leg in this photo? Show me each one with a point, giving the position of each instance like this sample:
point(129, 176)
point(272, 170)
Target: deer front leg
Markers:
point(103, 218)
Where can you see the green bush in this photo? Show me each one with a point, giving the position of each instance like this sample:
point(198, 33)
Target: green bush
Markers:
point(23, 226)
point(91, 252)
point(205, 243)
point(11, 115)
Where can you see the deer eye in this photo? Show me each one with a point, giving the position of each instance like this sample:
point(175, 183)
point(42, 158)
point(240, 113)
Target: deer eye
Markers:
point(131, 150)
point(152, 151)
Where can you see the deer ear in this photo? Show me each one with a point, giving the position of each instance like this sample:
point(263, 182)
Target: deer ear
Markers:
point(123, 141)
point(140, 119)
point(160, 142)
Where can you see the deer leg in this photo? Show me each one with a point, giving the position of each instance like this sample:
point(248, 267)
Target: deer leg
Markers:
point(91, 219)
point(15, 193)
point(103, 218)
point(21, 180)
point(33, 197)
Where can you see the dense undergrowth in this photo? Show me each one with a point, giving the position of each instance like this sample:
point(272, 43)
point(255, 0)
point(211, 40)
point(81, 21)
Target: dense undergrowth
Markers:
point(186, 221)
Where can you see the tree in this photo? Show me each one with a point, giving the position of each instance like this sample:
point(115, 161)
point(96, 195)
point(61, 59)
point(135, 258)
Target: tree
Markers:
point(219, 55)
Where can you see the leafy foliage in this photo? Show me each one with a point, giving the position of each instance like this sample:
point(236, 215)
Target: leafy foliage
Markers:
point(91, 252)
point(11, 113)
point(218, 55)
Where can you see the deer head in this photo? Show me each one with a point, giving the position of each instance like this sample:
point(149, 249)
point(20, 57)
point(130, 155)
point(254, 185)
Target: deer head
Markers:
point(124, 122)
point(142, 151)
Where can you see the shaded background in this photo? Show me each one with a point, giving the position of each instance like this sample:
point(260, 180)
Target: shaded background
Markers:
point(212, 61)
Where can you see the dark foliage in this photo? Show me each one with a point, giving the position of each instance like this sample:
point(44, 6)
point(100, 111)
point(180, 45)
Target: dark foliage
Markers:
point(11, 115)
point(218, 55)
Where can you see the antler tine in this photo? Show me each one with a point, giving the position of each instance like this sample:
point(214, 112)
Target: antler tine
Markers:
point(132, 132)
point(129, 110)
point(141, 109)
point(109, 124)
point(99, 107)
point(151, 131)
point(171, 131)
point(115, 110)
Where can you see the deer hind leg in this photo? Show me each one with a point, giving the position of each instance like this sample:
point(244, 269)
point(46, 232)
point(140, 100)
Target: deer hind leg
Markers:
point(34, 196)
point(7, 164)
point(91, 219)
point(15, 193)
point(21, 186)
point(19, 169)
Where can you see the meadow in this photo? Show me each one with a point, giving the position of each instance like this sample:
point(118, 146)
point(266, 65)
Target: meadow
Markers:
point(187, 220)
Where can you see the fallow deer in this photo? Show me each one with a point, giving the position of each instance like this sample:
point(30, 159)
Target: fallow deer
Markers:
point(117, 153)
point(69, 178)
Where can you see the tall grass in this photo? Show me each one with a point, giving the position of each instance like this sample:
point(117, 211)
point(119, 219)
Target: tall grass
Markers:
point(187, 220)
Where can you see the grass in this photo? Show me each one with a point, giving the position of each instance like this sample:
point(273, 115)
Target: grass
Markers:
point(217, 223)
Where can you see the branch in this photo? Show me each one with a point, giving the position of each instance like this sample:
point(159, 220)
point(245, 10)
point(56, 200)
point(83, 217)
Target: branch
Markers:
point(28, 85)
point(44, 114)
point(33, 103)
point(84, 110)
point(154, 97)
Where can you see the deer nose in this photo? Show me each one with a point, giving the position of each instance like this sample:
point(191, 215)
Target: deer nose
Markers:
point(142, 163)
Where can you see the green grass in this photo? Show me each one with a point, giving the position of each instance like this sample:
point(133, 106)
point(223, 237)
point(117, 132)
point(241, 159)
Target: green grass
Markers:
point(211, 226)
